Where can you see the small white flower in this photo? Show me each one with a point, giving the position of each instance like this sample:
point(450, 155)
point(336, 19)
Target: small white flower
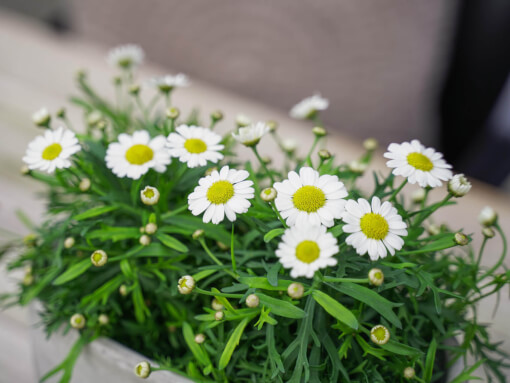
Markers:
point(199, 338)
point(217, 305)
point(459, 186)
point(195, 145)
point(85, 184)
point(370, 144)
point(133, 156)
point(143, 370)
point(418, 196)
point(409, 373)
point(126, 56)
point(51, 150)
point(151, 228)
point(169, 82)
point(186, 284)
point(251, 135)
point(149, 196)
point(103, 319)
point(296, 290)
point(307, 108)
point(218, 315)
point(99, 258)
point(376, 228)
point(309, 198)
point(488, 216)
point(252, 301)
point(77, 321)
point(145, 240)
point(376, 277)
point(242, 120)
point(306, 249)
point(358, 166)
point(69, 242)
point(418, 164)
point(223, 193)
point(268, 194)
point(42, 117)
point(289, 145)
point(379, 334)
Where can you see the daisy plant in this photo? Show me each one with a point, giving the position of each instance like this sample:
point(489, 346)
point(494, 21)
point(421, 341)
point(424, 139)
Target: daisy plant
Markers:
point(223, 269)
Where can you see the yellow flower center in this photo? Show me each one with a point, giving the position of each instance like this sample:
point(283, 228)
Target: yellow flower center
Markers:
point(374, 226)
point(220, 192)
point(195, 145)
point(307, 251)
point(139, 154)
point(97, 256)
point(378, 275)
point(380, 334)
point(420, 161)
point(309, 198)
point(52, 151)
point(149, 193)
point(77, 320)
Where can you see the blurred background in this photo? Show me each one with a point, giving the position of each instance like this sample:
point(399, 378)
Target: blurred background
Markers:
point(395, 69)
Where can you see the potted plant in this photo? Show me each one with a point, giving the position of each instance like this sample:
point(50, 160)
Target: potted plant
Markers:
point(220, 270)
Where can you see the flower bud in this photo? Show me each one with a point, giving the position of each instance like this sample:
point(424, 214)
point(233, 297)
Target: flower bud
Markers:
point(370, 144)
point(123, 290)
point(30, 240)
point(409, 373)
point(324, 154)
point(172, 113)
point(94, 117)
point(217, 115)
point(218, 315)
point(216, 305)
point(209, 171)
point(61, 113)
point(103, 319)
point(24, 170)
point(186, 284)
point(242, 120)
point(134, 89)
point(459, 186)
point(78, 321)
point(488, 216)
point(433, 229)
point(296, 290)
point(379, 334)
point(84, 184)
point(376, 277)
point(289, 145)
point(222, 246)
point(199, 233)
point(69, 242)
point(268, 194)
point(42, 118)
point(151, 228)
point(488, 232)
point(418, 196)
point(319, 131)
point(357, 166)
point(149, 195)
point(145, 240)
point(28, 279)
point(273, 125)
point(99, 258)
point(267, 160)
point(461, 239)
point(80, 74)
point(199, 338)
point(117, 80)
point(143, 370)
point(252, 301)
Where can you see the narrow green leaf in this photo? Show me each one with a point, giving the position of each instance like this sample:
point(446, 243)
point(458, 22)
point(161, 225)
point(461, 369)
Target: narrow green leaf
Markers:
point(232, 343)
point(335, 309)
point(272, 234)
point(94, 212)
point(141, 309)
point(401, 349)
point(263, 283)
point(445, 242)
point(281, 307)
point(199, 354)
point(429, 361)
point(73, 272)
point(172, 243)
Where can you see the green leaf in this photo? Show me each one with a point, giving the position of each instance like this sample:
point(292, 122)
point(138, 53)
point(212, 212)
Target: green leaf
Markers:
point(273, 233)
point(114, 233)
point(370, 298)
point(263, 283)
point(280, 307)
point(172, 243)
point(197, 351)
point(141, 309)
point(429, 361)
point(401, 349)
point(94, 212)
point(445, 242)
point(335, 309)
point(232, 343)
point(73, 272)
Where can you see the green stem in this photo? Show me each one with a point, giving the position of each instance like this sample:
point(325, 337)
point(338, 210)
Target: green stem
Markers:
point(210, 293)
point(215, 259)
point(501, 258)
point(479, 258)
point(254, 148)
point(273, 206)
point(232, 254)
point(309, 155)
point(427, 214)
point(142, 108)
point(394, 195)
point(353, 280)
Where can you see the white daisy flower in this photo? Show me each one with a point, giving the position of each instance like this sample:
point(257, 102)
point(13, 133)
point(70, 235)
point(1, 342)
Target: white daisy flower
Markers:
point(126, 56)
point(223, 193)
point(375, 228)
point(133, 156)
point(169, 82)
point(306, 249)
point(51, 150)
point(419, 164)
point(42, 117)
point(307, 108)
point(251, 135)
point(195, 145)
point(310, 199)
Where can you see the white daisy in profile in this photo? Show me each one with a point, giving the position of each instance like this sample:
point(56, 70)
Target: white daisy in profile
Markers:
point(306, 249)
point(51, 150)
point(308, 108)
point(418, 164)
point(308, 198)
point(133, 155)
point(250, 135)
point(376, 228)
point(195, 145)
point(169, 82)
point(223, 193)
point(126, 56)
